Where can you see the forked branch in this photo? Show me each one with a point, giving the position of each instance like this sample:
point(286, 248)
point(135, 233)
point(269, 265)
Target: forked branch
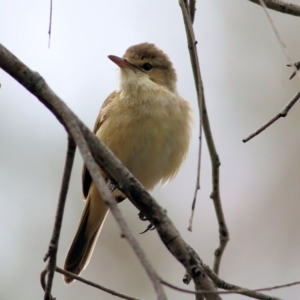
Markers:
point(204, 120)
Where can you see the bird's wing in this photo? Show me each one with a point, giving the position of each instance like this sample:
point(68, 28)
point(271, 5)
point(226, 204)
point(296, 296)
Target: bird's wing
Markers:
point(102, 116)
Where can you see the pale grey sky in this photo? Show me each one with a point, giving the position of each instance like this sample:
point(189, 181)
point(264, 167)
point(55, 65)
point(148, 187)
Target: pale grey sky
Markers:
point(246, 83)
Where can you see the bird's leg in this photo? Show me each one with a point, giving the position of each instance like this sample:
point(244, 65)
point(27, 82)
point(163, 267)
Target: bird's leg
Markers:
point(113, 185)
point(144, 218)
point(149, 227)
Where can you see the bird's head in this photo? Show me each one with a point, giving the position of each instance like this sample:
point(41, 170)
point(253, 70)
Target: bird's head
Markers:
point(144, 62)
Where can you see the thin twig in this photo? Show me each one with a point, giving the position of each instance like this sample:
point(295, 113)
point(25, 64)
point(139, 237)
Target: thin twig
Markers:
point(200, 95)
point(278, 37)
point(215, 195)
point(295, 65)
point(231, 289)
point(53, 246)
point(281, 114)
point(170, 236)
point(290, 104)
point(50, 24)
point(97, 286)
point(236, 289)
point(281, 6)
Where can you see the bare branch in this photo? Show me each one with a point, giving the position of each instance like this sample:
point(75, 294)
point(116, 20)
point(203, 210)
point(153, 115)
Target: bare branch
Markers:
point(278, 37)
point(281, 114)
point(286, 109)
point(215, 162)
point(224, 285)
point(50, 23)
point(295, 65)
point(97, 286)
point(53, 246)
point(200, 93)
point(236, 289)
point(281, 6)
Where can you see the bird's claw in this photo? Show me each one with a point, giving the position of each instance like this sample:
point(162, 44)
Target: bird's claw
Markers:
point(149, 227)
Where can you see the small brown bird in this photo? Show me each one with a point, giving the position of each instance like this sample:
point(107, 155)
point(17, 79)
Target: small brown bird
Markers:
point(147, 125)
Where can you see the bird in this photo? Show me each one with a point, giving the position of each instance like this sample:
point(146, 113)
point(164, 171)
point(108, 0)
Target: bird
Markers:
point(147, 125)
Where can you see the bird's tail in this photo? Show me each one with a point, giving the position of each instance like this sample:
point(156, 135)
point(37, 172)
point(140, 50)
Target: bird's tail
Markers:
point(90, 225)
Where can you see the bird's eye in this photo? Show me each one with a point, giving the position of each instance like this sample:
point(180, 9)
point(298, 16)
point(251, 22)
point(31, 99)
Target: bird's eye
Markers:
point(147, 66)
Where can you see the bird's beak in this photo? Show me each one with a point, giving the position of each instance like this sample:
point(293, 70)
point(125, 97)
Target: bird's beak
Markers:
point(122, 63)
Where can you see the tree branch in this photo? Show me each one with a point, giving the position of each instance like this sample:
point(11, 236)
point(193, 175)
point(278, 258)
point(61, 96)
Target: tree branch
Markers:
point(281, 6)
point(215, 162)
point(281, 114)
point(234, 288)
point(95, 285)
point(188, 9)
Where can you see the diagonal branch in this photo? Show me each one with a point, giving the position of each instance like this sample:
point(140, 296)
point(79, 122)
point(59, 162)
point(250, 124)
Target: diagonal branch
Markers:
point(281, 114)
point(95, 285)
point(215, 161)
point(281, 6)
point(246, 292)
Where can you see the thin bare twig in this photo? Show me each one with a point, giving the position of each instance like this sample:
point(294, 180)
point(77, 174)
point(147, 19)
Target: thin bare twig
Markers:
point(113, 168)
point(295, 65)
point(281, 114)
point(200, 95)
point(97, 286)
point(278, 37)
point(281, 6)
point(50, 24)
point(53, 246)
point(290, 104)
point(231, 289)
point(236, 289)
point(215, 161)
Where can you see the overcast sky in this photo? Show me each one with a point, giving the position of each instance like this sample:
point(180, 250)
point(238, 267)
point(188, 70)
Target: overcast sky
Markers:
point(246, 83)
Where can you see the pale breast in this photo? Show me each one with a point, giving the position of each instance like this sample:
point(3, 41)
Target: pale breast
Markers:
point(150, 139)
